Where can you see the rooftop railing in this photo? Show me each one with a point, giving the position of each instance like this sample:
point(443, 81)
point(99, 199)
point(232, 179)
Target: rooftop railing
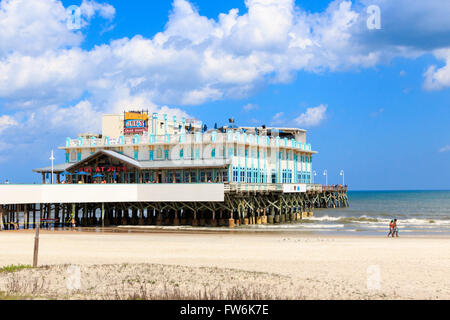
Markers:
point(189, 138)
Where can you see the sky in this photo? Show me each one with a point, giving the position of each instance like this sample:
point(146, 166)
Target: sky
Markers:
point(375, 98)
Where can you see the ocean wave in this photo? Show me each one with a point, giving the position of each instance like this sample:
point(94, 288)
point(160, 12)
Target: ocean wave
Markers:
point(379, 221)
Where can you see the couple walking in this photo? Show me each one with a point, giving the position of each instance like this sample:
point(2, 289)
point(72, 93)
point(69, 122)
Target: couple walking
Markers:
point(393, 229)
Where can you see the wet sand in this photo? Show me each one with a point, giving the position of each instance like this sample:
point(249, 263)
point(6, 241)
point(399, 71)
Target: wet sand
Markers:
point(311, 266)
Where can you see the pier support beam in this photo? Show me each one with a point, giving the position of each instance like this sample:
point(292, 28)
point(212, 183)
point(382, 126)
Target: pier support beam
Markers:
point(231, 220)
point(194, 219)
point(1, 218)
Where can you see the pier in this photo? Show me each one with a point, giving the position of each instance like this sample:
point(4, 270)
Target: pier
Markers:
point(207, 204)
point(148, 169)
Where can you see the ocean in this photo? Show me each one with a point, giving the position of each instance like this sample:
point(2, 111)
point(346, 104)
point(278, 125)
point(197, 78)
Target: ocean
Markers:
point(417, 213)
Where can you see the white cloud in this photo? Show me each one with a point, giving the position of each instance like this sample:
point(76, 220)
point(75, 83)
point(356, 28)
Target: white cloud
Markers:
point(437, 79)
point(250, 107)
point(312, 117)
point(90, 8)
point(195, 59)
point(31, 27)
point(277, 119)
point(6, 122)
point(445, 148)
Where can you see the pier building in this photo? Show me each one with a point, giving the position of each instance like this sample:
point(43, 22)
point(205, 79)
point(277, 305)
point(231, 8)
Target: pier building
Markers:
point(154, 169)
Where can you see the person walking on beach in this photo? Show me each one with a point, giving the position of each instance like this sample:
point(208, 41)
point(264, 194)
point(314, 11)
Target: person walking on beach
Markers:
point(391, 228)
point(395, 233)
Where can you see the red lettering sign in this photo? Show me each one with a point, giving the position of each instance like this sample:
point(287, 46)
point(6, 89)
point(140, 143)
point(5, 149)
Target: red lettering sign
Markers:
point(103, 169)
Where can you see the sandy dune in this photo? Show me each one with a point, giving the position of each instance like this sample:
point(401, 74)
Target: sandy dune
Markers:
point(312, 267)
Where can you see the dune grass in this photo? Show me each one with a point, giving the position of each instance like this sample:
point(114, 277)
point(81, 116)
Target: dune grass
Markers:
point(14, 267)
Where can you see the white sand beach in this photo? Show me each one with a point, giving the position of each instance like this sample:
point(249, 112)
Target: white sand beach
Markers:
point(296, 266)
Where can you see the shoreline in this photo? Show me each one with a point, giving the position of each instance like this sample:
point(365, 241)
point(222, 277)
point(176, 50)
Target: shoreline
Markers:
point(222, 231)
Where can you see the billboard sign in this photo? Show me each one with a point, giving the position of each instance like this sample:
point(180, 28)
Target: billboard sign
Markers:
point(135, 123)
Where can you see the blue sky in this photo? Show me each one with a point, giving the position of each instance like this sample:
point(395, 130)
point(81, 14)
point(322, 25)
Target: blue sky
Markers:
point(376, 103)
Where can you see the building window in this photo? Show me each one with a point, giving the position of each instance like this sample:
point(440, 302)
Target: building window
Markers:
point(224, 175)
point(202, 176)
point(235, 174)
point(197, 153)
point(186, 177)
point(159, 153)
point(193, 177)
point(136, 154)
point(67, 157)
point(166, 154)
point(168, 177)
point(242, 176)
point(213, 153)
point(151, 155)
point(181, 153)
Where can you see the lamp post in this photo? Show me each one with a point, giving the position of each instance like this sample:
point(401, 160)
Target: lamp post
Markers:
point(325, 173)
point(342, 174)
point(52, 158)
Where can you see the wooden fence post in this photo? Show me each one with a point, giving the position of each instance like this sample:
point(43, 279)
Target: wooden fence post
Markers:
point(36, 247)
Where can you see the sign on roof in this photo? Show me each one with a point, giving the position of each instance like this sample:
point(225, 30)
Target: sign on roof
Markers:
point(135, 123)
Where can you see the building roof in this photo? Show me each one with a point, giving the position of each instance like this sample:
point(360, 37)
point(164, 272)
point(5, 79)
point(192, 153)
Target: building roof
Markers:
point(57, 168)
point(112, 154)
point(154, 164)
